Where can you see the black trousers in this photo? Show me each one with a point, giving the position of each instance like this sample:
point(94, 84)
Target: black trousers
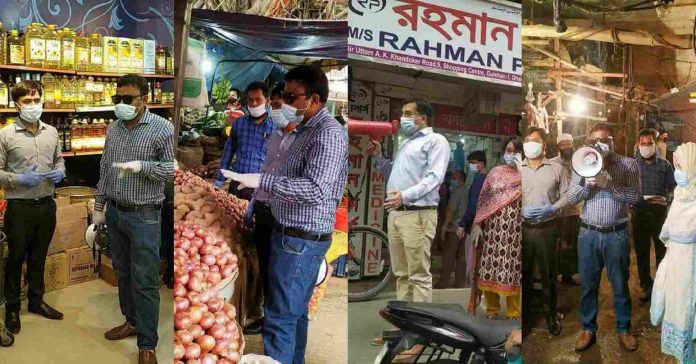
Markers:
point(539, 249)
point(30, 226)
point(245, 194)
point(568, 229)
point(647, 223)
point(263, 229)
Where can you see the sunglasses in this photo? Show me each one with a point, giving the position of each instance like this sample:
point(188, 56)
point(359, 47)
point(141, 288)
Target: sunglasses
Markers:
point(127, 99)
point(605, 140)
point(289, 97)
point(232, 101)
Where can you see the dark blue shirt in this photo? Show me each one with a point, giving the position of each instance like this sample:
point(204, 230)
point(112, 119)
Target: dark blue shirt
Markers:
point(248, 141)
point(474, 192)
point(656, 178)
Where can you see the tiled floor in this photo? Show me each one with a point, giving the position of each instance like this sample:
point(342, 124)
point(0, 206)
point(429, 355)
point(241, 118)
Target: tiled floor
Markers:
point(90, 310)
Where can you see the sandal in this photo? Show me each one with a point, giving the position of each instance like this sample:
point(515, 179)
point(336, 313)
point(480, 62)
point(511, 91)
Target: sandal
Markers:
point(492, 317)
point(410, 355)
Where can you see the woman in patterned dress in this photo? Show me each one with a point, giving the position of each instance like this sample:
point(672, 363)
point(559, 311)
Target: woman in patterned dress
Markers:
point(498, 224)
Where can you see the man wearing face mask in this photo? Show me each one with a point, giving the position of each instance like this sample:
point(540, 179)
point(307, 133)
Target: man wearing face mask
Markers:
point(304, 195)
point(477, 165)
point(454, 252)
point(569, 218)
point(544, 187)
point(656, 185)
point(264, 223)
point(31, 163)
point(248, 139)
point(138, 160)
point(603, 238)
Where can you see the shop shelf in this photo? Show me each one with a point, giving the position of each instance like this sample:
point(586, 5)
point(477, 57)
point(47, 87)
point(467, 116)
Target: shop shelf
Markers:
point(44, 110)
point(119, 74)
point(8, 67)
point(14, 68)
point(160, 106)
point(111, 108)
point(79, 154)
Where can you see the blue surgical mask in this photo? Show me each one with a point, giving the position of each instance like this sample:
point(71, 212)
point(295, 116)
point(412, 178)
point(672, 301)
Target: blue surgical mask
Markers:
point(290, 113)
point(408, 126)
point(681, 178)
point(509, 159)
point(473, 167)
point(604, 149)
point(125, 112)
point(279, 119)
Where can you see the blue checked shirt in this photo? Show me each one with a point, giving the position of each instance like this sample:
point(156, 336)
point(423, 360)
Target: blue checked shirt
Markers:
point(309, 188)
point(608, 206)
point(656, 178)
point(249, 142)
point(151, 141)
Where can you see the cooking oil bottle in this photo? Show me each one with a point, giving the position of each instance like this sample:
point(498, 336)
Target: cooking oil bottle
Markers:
point(96, 53)
point(137, 56)
point(4, 94)
point(169, 61)
point(53, 47)
point(89, 89)
point(68, 95)
point(81, 93)
point(58, 94)
point(110, 54)
point(161, 60)
point(67, 49)
point(15, 48)
point(49, 84)
point(81, 52)
point(98, 94)
point(35, 46)
point(3, 45)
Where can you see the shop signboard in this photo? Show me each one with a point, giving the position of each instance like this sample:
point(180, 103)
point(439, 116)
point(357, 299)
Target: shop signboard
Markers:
point(475, 39)
point(382, 108)
point(360, 101)
point(195, 93)
point(358, 170)
point(392, 91)
point(453, 118)
point(508, 124)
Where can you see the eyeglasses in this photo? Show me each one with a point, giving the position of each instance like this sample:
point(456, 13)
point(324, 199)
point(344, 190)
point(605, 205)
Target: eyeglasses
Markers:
point(605, 140)
point(127, 99)
point(289, 97)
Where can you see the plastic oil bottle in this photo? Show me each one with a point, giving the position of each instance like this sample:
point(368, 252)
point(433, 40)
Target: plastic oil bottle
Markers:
point(68, 95)
point(4, 94)
point(98, 94)
point(35, 46)
point(160, 60)
point(81, 93)
point(81, 52)
point(53, 47)
point(67, 50)
point(15, 48)
point(89, 89)
point(49, 83)
point(169, 61)
point(96, 53)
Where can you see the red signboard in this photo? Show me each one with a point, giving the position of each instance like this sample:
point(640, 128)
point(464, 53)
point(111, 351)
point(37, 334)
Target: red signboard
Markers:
point(507, 124)
point(451, 118)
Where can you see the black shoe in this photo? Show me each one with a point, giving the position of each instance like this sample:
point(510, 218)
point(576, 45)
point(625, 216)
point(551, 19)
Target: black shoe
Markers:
point(254, 328)
point(554, 324)
point(45, 310)
point(644, 296)
point(12, 322)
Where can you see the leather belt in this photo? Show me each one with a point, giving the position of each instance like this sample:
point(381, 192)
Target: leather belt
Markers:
point(415, 208)
point(531, 224)
point(605, 229)
point(306, 235)
point(134, 208)
point(31, 201)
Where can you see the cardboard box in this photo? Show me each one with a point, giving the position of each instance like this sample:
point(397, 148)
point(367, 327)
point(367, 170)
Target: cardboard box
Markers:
point(137, 55)
point(106, 271)
point(149, 50)
point(56, 273)
point(111, 51)
point(71, 223)
point(124, 55)
point(80, 265)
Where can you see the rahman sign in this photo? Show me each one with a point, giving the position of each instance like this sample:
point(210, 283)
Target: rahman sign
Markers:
point(474, 39)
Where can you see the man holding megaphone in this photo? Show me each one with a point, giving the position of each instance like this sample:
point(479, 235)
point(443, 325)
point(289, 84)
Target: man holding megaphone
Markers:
point(603, 238)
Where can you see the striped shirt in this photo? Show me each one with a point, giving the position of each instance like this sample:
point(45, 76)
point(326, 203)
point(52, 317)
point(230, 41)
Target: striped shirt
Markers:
point(151, 142)
point(656, 178)
point(309, 188)
point(22, 151)
point(248, 143)
point(278, 147)
point(608, 206)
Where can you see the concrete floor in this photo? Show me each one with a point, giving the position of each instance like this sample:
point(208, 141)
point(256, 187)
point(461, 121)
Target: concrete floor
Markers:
point(540, 347)
point(90, 309)
point(328, 333)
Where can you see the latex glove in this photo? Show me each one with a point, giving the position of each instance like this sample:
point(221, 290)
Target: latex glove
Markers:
point(30, 179)
point(531, 212)
point(547, 210)
point(98, 217)
point(218, 184)
point(461, 233)
point(248, 180)
point(54, 176)
point(476, 232)
point(128, 167)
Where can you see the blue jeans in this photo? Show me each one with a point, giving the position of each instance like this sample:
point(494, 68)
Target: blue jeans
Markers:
point(294, 267)
point(595, 251)
point(134, 243)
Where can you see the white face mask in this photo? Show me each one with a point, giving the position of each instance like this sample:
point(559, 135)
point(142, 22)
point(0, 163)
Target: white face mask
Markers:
point(532, 149)
point(279, 119)
point(257, 111)
point(32, 113)
point(473, 167)
point(647, 152)
point(290, 113)
point(125, 112)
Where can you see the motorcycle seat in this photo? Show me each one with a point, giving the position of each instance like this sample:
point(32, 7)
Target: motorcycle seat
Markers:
point(489, 332)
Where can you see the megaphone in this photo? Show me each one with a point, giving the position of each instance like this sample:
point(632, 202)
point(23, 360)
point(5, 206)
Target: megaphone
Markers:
point(97, 237)
point(323, 272)
point(376, 130)
point(587, 162)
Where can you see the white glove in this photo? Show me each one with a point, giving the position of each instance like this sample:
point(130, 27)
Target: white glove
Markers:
point(128, 167)
point(249, 180)
point(98, 217)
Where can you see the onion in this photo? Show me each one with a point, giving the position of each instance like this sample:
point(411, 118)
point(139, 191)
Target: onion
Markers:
point(179, 290)
point(220, 345)
point(215, 268)
point(184, 244)
point(207, 295)
point(221, 318)
point(207, 321)
point(231, 326)
point(199, 232)
point(214, 277)
point(181, 303)
point(227, 271)
point(197, 242)
point(205, 249)
point(216, 251)
point(196, 331)
point(195, 314)
point(194, 298)
point(231, 311)
point(208, 260)
point(193, 351)
point(203, 307)
point(206, 342)
point(191, 251)
point(198, 274)
point(217, 331)
point(194, 284)
point(234, 346)
point(226, 361)
point(182, 323)
point(209, 359)
point(233, 357)
point(215, 304)
point(178, 351)
point(184, 337)
point(188, 234)
point(221, 260)
point(193, 361)
point(182, 278)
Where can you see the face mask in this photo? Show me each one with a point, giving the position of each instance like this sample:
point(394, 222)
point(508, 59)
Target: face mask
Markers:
point(257, 111)
point(532, 149)
point(279, 119)
point(31, 114)
point(125, 112)
point(290, 113)
point(509, 159)
point(567, 153)
point(681, 178)
point(604, 149)
point(647, 152)
point(408, 126)
point(473, 167)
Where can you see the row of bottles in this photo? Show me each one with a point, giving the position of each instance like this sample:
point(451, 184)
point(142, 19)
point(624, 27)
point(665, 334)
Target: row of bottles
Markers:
point(49, 47)
point(81, 134)
point(6, 88)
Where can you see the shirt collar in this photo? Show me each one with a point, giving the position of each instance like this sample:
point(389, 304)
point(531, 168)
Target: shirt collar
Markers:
point(19, 125)
point(316, 119)
point(525, 162)
point(422, 132)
